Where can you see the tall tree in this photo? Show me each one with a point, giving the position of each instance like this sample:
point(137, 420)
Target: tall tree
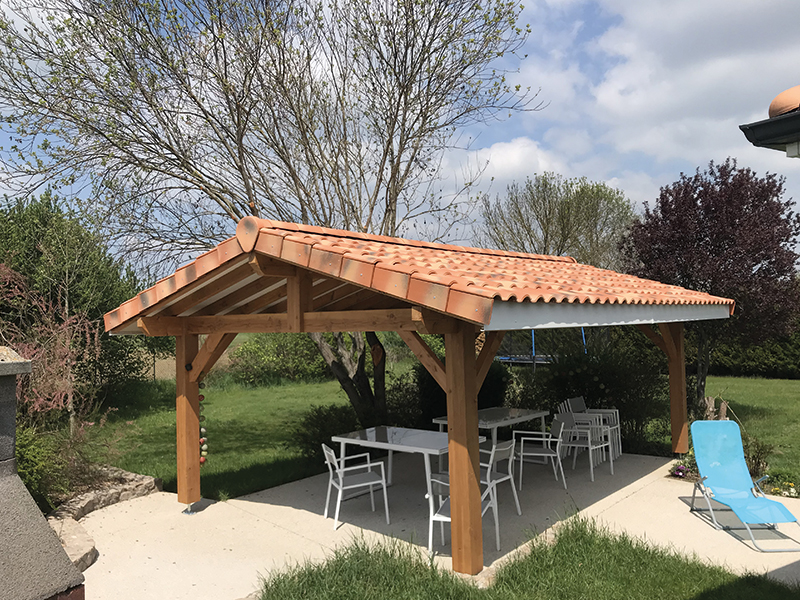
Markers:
point(68, 281)
point(730, 233)
point(552, 215)
point(183, 116)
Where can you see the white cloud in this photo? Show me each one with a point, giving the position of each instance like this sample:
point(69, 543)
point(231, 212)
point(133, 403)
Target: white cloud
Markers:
point(640, 91)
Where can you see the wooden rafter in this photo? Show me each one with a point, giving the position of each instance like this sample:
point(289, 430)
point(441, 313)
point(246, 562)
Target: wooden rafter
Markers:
point(213, 288)
point(327, 290)
point(352, 300)
point(247, 293)
point(379, 302)
point(330, 293)
point(264, 301)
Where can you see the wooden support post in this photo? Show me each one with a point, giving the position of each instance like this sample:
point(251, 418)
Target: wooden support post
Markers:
point(462, 426)
point(672, 334)
point(187, 411)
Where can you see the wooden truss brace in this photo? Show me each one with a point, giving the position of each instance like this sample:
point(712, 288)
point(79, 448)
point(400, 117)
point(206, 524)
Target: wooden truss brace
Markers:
point(671, 342)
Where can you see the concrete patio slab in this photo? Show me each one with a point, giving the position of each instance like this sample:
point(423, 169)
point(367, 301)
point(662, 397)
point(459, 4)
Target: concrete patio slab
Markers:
point(150, 549)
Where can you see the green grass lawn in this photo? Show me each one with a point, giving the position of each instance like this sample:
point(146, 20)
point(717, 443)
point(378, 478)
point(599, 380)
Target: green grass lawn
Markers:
point(769, 410)
point(248, 433)
point(249, 429)
point(584, 562)
point(250, 449)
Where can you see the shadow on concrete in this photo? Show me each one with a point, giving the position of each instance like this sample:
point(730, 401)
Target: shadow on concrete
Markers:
point(543, 499)
point(772, 537)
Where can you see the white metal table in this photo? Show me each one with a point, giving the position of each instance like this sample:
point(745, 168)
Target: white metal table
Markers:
point(400, 439)
point(494, 418)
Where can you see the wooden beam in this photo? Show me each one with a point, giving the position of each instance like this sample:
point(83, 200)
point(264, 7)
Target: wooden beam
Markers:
point(429, 321)
point(365, 320)
point(299, 300)
point(392, 319)
point(462, 425)
point(209, 354)
point(269, 267)
point(426, 356)
point(187, 414)
point(673, 335)
point(485, 358)
point(654, 337)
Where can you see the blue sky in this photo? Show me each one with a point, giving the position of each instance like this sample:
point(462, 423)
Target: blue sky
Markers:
point(638, 91)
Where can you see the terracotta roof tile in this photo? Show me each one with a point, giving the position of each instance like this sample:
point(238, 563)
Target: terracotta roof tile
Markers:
point(456, 279)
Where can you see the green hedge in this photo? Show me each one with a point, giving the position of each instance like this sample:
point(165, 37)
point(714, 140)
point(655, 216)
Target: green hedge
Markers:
point(775, 359)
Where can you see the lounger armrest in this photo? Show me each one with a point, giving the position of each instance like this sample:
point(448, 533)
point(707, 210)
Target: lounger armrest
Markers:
point(759, 480)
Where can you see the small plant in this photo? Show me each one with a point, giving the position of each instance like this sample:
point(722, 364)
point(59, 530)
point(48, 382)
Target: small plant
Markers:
point(686, 467)
point(42, 467)
point(780, 483)
point(680, 471)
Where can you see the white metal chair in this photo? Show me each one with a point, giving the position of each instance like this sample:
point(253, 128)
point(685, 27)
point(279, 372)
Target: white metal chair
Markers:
point(440, 487)
point(348, 478)
point(610, 417)
point(491, 475)
point(541, 444)
point(593, 437)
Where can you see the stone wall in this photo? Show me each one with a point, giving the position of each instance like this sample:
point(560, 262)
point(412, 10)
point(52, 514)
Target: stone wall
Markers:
point(120, 486)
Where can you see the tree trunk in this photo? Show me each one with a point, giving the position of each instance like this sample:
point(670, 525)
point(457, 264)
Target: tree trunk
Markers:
point(348, 364)
point(378, 353)
point(703, 362)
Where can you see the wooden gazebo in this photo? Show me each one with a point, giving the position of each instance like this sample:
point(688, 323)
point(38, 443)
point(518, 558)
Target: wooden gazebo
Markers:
point(285, 277)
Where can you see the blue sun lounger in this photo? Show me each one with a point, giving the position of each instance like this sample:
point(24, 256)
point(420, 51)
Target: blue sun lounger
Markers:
point(726, 479)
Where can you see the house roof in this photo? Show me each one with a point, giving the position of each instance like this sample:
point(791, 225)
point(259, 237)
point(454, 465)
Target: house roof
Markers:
point(777, 132)
point(247, 274)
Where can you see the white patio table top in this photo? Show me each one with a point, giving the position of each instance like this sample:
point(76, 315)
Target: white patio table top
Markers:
point(494, 418)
